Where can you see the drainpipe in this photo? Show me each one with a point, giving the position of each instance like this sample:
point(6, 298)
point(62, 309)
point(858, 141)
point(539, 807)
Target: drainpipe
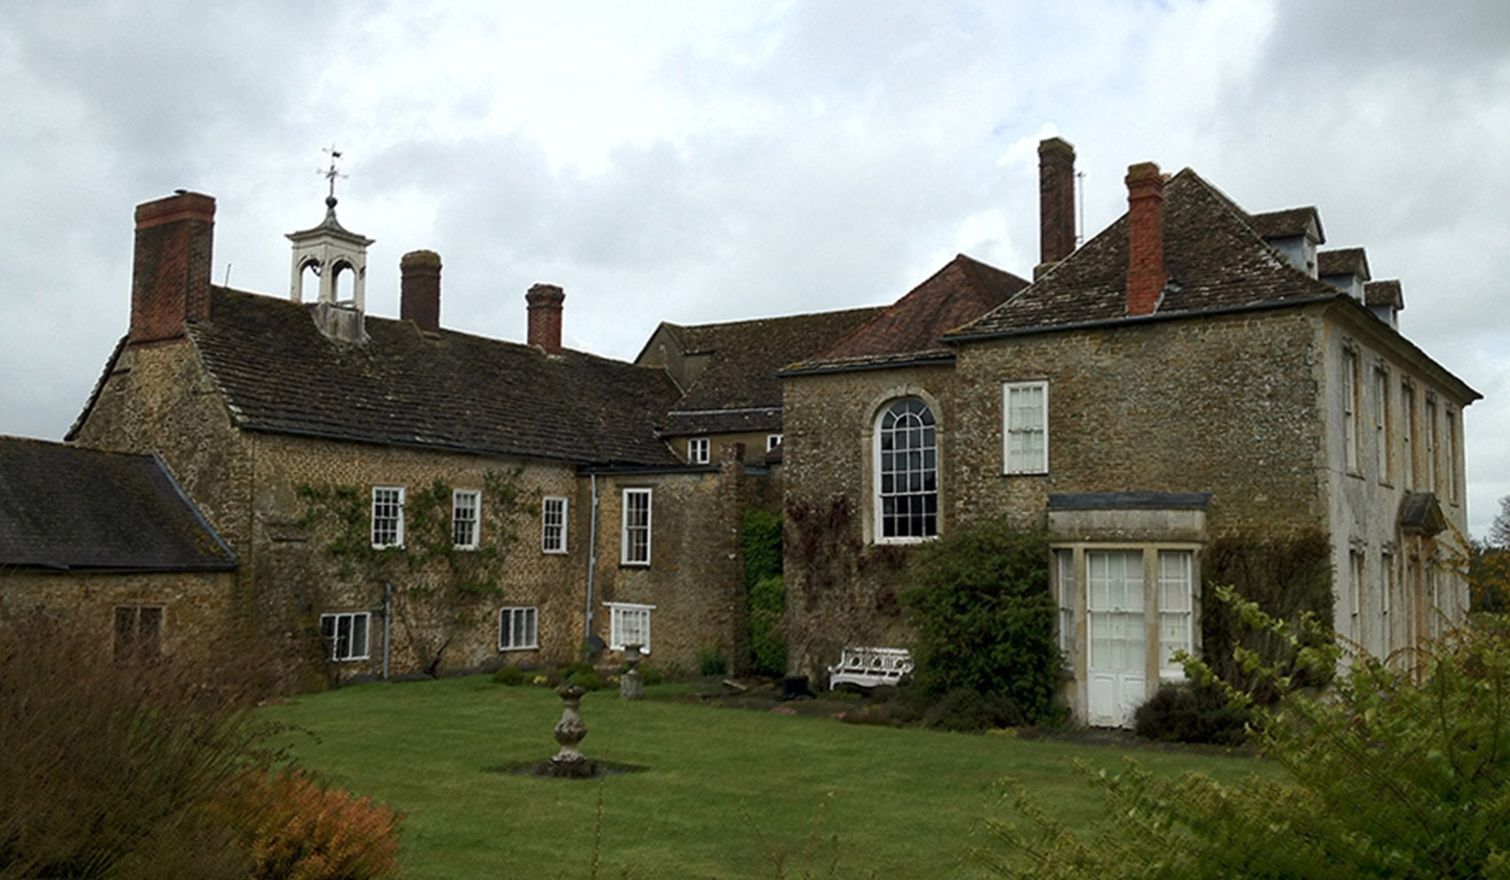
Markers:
point(387, 626)
point(592, 559)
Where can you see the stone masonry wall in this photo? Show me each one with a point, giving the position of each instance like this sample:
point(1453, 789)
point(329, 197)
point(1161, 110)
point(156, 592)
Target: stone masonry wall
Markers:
point(195, 606)
point(1227, 405)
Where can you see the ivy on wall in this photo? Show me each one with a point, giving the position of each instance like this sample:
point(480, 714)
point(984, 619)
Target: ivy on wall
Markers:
point(1285, 576)
point(439, 590)
point(765, 590)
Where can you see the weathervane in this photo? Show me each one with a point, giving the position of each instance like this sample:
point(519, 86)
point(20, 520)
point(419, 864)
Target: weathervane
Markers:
point(330, 174)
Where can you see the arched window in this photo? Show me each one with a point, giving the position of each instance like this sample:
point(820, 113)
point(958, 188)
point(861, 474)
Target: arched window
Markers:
point(907, 497)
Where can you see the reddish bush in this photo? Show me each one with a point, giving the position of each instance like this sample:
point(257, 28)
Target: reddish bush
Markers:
point(296, 829)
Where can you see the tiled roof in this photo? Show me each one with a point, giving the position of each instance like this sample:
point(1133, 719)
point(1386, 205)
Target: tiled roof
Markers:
point(1288, 222)
point(63, 507)
point(1342, 261)
point(446, 390)
point(1214, 258)
point(739, 389)
point(1383, 293)
point(912, 327)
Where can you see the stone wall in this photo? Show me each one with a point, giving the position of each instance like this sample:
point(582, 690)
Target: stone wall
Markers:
point(695, 579)
point(195, 606)
point(1226, 405)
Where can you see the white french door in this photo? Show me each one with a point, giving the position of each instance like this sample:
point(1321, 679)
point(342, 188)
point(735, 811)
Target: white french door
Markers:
point(1118, 633)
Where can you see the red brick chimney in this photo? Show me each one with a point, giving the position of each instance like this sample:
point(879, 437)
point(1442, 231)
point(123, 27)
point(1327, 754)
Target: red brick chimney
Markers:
point(419, 289)
point(1056, 202)
point(545, 316)
point(1145, 238)
point(170, 276)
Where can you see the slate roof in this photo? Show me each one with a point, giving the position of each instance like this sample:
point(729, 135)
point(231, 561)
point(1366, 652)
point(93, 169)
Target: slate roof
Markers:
point(1342, 261)
point(911, 328)
point(63, 507)
point(739, 390)
point(1215, 258)
point(446, 390)
point(1383, 293)
point(1288, 222)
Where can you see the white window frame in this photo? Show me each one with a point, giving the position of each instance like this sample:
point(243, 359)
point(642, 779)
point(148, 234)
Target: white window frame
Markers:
point(516, 621)
point(397, 520)
point(1064, 597)
point(1008, 429)
point(1382, 452)
point(1168, 670)
point(1450, 421)
point(458, 507)
point(772, 441)
point(616, 613)
point(1356, 562)
point(365, 618)
point(1431, 444)
point(879, 493)
point(559, 545)
point(699, 450)
point(625, 542)
point(1350, 420)
point(1408, 436)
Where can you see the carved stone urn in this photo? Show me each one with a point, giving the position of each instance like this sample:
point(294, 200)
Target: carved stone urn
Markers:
point(570, 731)
point(631, 684)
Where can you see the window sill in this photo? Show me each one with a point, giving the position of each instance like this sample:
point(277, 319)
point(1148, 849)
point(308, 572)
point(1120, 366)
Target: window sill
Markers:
point(503, 650)
point(1025, 473)
point(623, 564)
point(903, 542)
point(553, 552)
point(464, 549)
point(350, 659)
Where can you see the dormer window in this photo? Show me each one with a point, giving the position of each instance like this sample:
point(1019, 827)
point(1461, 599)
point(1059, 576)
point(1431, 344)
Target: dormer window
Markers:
point(698, 450)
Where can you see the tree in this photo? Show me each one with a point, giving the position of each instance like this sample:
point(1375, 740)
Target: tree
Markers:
point(1392, 773)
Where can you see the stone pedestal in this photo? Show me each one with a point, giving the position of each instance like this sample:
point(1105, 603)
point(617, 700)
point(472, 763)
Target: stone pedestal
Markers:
point(631, 684)
point(570, 731)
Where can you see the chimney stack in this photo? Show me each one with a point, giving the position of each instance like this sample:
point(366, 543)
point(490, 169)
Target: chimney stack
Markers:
point(419, 289)
point(170, 275)
point(1056, 202)
point(1145, 238)
point(545, 316)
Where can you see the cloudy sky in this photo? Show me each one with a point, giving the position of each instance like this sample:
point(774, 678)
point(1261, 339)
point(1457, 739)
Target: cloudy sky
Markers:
point(704, 161)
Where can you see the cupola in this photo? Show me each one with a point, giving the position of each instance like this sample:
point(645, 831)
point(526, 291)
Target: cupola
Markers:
point(337, 257)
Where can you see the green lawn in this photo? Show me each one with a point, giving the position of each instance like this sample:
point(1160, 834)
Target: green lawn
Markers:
point(727, 790)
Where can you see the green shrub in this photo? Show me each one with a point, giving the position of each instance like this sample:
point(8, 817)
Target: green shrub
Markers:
point(765, 594)
point(511, 676)
point(767, 646)
point(970, 711)
point(583, 675)
point(1392, 773)
point(1193, 714)
point(711, 661)
point(985, 619)
point(652, 675)
point(1286, 577)
point(112, 767)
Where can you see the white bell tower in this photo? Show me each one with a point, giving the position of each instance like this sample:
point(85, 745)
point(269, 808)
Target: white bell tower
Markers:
point(328, 250)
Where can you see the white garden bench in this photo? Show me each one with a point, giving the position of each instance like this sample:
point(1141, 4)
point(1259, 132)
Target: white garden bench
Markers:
point(870, 667)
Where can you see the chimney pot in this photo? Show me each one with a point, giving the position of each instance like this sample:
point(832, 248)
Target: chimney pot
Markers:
point(1056, 202)
point(544, 304)
point(170, 274)
point(1146, 276)
point(419, 289)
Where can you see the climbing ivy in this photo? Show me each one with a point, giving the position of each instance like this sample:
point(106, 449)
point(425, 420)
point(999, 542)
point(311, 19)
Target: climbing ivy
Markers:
point(439, 590)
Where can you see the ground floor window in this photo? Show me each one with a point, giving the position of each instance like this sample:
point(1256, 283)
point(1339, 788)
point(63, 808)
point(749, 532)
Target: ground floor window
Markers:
point(1176, 609)
point(138, 631)
point(1064, 597)
point(518, 629)
point(346, 633)
point(629, 624)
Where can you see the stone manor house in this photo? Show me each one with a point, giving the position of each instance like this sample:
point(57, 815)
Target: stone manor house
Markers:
point(381, 497)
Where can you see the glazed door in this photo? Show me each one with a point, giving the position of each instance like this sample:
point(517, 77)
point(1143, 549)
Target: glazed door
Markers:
point(1117, 658)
